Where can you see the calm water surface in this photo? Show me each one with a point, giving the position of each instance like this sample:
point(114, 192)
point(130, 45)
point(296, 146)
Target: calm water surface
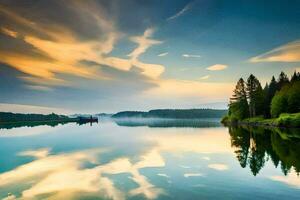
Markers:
point(127, 160)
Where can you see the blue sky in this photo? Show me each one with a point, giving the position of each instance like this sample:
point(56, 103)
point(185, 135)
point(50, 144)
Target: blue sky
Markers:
point(107, 56)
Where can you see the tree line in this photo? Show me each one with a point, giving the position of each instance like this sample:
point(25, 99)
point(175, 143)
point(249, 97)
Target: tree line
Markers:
point(250, 99)
point(18, 117)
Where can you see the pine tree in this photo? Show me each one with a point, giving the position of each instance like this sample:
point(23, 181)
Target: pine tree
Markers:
point(295, 77)
point(238, 102)
point(282, 80)
point(269, 96)
point(255, 96)
point(266, 103)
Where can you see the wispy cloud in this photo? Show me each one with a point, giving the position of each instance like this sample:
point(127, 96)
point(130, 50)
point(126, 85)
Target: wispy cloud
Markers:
point(204, 77)
point(182, 11)
point(163, 54)
point(39, 88)
point(163, 175)
point(291, 179)
point(206, 158)
point(286, 53)
point(187, 89)
point(217, 67)
point(187, 175)
point(40, 153)
point(191, 56)
point(9, 32)
point(219, 167)
point(144, 42)
point(63, 50)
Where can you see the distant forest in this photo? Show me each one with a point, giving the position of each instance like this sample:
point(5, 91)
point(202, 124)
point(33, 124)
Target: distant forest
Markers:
point(281, 95)
point(18, 117)
point(174, 113)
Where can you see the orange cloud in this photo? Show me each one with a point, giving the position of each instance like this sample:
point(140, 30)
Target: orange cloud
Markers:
point(185, 88)
point(204, 77)
point(65, 51)
point(216, 67)
point(9, 32)
point(287, 53)
point(291, 179)
point(45, 69)
point(144, 42)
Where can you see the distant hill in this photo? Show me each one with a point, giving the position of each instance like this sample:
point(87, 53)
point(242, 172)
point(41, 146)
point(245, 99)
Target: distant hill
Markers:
point(104, 115)
point(173, 113)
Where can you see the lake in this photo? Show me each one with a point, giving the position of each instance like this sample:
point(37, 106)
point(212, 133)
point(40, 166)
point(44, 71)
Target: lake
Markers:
point(163, 159)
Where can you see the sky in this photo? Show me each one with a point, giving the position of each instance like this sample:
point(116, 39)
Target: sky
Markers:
point(97, 56)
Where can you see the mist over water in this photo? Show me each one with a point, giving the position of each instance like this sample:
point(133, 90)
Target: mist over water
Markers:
point(167, 122)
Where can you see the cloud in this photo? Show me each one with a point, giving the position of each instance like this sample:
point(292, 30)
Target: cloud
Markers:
point(286, 53)
point(206, 158)
point(187, 175)
point(40, 153)
point(9, 32)
point(291, 179)
point(204, 77)
point(185, 88)
point(219, 167)
point(10, 197)
point(181, 12)
point(190, 56)
point(217, 67)
point(39, 88)
point(144, 42)
point(163, 175)
point(63, 50)
point(163, 54)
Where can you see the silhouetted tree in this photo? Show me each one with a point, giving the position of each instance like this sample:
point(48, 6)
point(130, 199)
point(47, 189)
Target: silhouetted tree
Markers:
point(282, 80)
point(255, 96)
point(295, 77)
point(238, 102)
point(269, 94)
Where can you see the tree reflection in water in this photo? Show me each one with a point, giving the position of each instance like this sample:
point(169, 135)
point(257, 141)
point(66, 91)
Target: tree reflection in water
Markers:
point(254, 146)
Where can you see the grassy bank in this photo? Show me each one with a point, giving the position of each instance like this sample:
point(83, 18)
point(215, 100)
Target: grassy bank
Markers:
point(284, 120)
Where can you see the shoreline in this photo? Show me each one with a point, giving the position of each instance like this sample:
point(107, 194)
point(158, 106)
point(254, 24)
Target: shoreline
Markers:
point(283, 121)
point(41, 121)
